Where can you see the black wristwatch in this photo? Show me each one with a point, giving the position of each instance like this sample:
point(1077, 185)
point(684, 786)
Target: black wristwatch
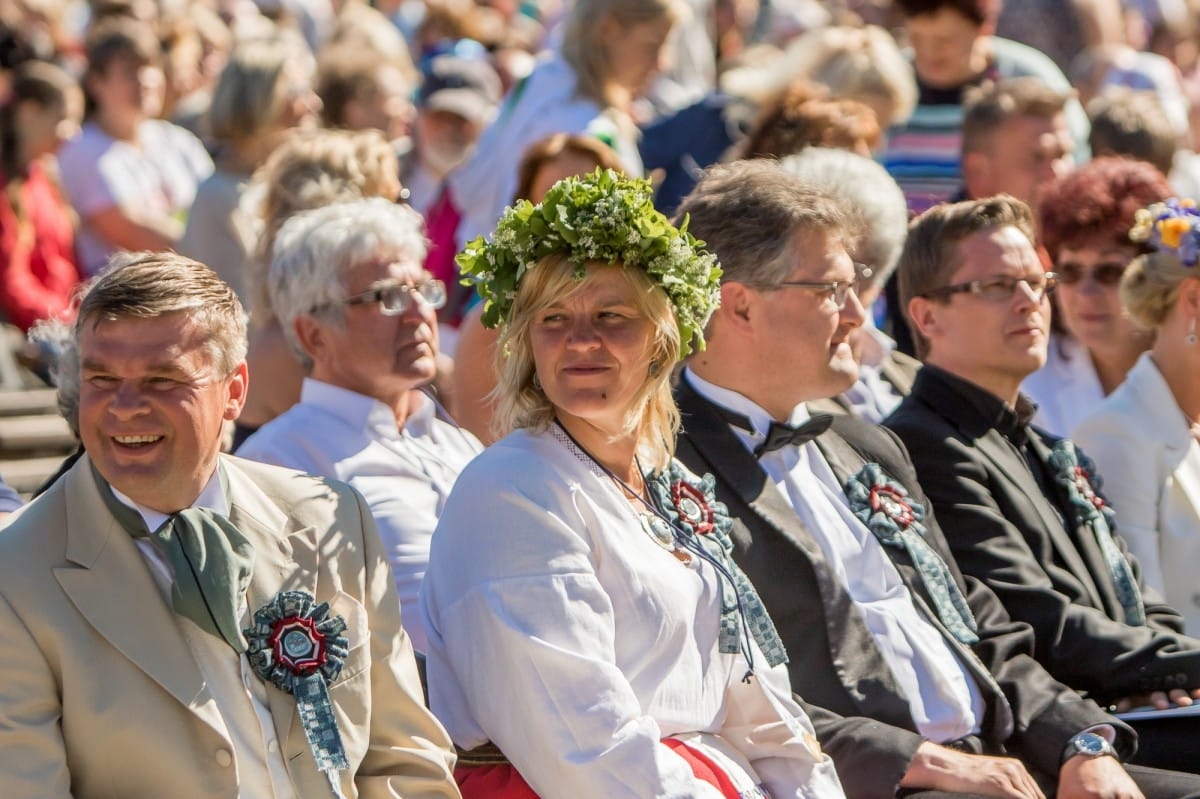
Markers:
point(1088, 744)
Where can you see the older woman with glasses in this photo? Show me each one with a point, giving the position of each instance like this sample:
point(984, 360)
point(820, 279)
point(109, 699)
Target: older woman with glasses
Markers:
point(583, 608)
point(1145, 436)
point(1085, 219)
point(358, 308)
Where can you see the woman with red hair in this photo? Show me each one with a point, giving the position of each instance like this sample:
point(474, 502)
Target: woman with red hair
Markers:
point(1085, 219)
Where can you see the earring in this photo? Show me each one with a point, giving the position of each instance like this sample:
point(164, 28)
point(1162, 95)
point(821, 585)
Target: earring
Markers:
point(537, 384)
point(1191, 334)
point(655, 368)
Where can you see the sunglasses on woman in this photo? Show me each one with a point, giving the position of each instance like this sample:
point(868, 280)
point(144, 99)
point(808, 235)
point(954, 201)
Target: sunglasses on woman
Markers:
point(1106, 274)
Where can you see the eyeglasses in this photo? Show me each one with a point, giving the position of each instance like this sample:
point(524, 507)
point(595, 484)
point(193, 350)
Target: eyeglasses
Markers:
point(397, 298)
point(999, 289)
point(1106, 274)
point(836, 290)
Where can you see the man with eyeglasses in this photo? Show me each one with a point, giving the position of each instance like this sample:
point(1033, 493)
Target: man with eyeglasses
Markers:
point(1022, 506)
point(918, 683)
point(348, 286)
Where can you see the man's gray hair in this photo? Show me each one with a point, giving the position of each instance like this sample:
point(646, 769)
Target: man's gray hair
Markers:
point(315, 249)
point(869, 194)
point(749, 212)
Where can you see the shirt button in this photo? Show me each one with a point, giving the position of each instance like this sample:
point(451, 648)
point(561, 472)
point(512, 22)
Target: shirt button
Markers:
point(224, 759)
point(272, 746)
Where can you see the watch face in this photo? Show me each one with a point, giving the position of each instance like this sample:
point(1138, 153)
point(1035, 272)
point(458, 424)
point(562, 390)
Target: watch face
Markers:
point(1091, 744)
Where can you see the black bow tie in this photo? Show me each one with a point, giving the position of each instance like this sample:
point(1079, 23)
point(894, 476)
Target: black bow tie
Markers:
point(781, 435)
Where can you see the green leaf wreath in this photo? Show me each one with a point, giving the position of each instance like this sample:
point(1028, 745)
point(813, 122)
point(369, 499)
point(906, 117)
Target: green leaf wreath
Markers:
point(604, 217)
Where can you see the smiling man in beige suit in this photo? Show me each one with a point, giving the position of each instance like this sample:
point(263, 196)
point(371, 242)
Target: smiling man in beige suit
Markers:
point(179, 623)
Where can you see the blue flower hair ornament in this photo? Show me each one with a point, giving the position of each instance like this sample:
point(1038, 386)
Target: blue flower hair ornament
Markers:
point(1172, 226)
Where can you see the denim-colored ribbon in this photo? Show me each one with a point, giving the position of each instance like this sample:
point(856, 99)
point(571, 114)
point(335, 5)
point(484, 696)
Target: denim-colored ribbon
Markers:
point(297, 647)
point(692, 508)
point(1076, 474)
point(885, 507)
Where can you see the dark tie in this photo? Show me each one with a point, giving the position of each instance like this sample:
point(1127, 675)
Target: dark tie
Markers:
point(211, 562)
point(780, 435)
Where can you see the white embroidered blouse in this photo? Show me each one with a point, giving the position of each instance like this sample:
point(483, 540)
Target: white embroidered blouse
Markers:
point(562, 632)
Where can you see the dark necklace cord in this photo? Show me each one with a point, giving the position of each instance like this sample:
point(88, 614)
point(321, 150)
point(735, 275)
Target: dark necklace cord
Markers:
point(682, 538)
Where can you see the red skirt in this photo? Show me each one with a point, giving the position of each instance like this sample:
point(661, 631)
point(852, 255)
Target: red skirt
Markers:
point(501, 781)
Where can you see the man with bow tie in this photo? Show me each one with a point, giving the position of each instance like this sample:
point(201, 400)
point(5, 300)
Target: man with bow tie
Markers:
point(926, 688)
point(179, 623)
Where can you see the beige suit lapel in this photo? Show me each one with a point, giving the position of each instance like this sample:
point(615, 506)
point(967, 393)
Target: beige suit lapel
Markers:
point(285, 559)
point(113, 589)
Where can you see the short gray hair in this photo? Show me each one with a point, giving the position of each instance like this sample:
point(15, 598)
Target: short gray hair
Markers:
point(868, 193)
point(748, 213)
point(314, 250)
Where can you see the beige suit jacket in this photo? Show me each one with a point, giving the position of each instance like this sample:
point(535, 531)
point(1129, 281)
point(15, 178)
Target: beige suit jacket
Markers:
point(100, 695)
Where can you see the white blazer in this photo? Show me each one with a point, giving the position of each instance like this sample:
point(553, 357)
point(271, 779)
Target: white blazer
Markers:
point(1144, 449)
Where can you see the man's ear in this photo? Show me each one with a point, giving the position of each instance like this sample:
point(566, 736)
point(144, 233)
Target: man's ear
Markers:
point(924, 316)
point(239, 385)
point(737, 305)
point(311, 335)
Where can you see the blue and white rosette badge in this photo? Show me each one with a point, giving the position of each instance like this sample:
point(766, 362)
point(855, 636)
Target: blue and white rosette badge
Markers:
point(896, 520)
point(297, 647)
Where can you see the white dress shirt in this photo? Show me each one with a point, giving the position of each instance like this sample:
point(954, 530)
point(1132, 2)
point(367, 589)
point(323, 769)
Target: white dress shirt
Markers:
point(871, 397)
point(239, 693)
point(405, 474)
point(1066, 388)
point(945, 701)
point(562, 632)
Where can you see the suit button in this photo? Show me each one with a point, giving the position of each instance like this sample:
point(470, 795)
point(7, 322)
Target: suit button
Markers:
point(224, 759)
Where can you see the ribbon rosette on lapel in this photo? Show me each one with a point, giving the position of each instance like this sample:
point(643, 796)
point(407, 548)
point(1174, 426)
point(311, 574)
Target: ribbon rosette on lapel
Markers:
point(702, 526)
point(297, 647)
point(887, 510)
point(1075, 473)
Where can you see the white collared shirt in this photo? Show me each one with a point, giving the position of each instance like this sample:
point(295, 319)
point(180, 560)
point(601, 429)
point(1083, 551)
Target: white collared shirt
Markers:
point(945, 700)
point(239, 694)
point(1066, 388)
point(871, 397)
point(405, 474)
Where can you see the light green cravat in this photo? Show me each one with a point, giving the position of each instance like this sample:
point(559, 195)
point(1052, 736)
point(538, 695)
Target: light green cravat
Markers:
point(211, 562)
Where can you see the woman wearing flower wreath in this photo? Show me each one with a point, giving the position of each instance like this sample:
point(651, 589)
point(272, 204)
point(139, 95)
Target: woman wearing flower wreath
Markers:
point(584, 614)
point(1144, 435)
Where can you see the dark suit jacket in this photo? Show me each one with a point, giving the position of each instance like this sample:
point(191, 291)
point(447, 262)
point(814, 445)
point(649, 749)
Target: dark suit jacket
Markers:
point(1006, 530)
point(834, 663)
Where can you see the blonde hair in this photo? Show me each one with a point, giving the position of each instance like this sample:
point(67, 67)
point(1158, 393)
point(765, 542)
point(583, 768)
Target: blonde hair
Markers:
point(520, 403)
point(1150, 287)
point(582, 27)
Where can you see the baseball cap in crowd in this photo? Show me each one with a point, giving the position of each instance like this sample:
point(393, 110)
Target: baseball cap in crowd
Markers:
point(468, 87)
